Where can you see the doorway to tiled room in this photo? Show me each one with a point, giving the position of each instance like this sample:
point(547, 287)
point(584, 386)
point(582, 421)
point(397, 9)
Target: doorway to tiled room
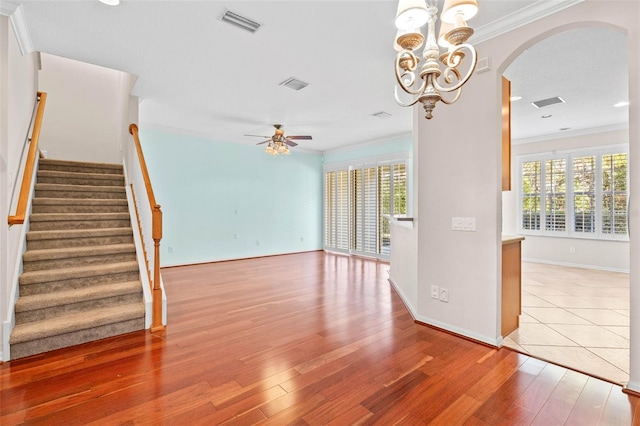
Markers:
point(569, 199)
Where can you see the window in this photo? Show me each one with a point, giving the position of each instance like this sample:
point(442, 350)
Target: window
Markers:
point(374, 193)
point(584, 194)
point(336, 210)
point(614, 194)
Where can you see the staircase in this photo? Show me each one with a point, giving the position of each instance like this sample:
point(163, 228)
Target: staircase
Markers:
point(81, 280)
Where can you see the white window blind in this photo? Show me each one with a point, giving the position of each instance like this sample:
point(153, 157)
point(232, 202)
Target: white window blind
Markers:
point(373, 194)
point(555, 194)
point(584, 193)
point(336, 210)
point(614, 194)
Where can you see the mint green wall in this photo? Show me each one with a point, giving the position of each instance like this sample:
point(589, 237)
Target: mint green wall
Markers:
point(224, 201)
point(402, 145)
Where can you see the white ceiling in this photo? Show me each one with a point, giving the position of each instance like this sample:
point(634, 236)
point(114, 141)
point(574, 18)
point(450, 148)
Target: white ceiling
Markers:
point(205, 77)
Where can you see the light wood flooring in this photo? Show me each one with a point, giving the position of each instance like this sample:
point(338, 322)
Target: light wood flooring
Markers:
point(309, 338)
point(575, 317)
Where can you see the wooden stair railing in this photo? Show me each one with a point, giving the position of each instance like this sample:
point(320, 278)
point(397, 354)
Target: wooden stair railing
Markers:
point(156, 234)
point(23, 198)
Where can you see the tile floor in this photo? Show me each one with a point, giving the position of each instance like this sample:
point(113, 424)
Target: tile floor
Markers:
point(575, 317)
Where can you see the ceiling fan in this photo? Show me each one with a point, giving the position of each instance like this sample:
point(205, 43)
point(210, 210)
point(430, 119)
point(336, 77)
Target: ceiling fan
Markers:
point(279, 137)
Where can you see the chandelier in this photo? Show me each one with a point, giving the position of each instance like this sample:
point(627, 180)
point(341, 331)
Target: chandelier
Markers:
point(429, 82)
point(277, 146)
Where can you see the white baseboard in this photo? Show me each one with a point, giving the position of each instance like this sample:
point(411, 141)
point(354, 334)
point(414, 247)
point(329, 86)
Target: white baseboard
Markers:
point(491, 341)
point(576, 265)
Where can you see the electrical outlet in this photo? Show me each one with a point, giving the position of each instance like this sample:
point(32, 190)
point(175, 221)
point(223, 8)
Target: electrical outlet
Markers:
point(435, 291)
point(572, 250)
point(235, 235)
point(170, 249)
point(302, 239)
point(257, 242)
point(444, 294)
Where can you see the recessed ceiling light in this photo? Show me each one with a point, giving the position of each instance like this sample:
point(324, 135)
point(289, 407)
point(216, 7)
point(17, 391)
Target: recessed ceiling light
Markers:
point(110, 2)
point(564, 128)
point(515, 98)
point(621, 104)
point(381, 114)
point(545, 116)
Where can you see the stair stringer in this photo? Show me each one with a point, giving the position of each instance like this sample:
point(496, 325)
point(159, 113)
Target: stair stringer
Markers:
point(10, 321)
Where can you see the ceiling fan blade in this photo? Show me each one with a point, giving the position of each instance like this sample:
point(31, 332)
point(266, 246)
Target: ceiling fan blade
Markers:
point(260, 143)
point(259, 136)
point(299, 137)
point(290, 143)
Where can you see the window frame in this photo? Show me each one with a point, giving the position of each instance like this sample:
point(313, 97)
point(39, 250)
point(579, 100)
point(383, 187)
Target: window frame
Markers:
point(569, 156)
point(364, 164)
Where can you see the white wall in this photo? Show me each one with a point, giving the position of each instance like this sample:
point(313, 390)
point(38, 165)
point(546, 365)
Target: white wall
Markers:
point(459, 175)
point(596, 254)
point(86, 110)
point(18, 87)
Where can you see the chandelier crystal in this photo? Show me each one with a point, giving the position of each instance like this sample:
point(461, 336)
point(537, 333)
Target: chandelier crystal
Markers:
point(426, 84)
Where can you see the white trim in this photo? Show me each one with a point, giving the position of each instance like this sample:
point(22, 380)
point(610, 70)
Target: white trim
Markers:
point(10, 322)
point(576, 265)
point(633, 386)
point(382, 141)
point(521, 17)
point(21, 30)
point(492, 341)
point(572, 133)
point(375, 161)
point(7, 7)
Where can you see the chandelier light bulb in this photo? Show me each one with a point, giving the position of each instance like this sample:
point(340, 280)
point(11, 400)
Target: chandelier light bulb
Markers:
point(431, 77)
point(411, 14)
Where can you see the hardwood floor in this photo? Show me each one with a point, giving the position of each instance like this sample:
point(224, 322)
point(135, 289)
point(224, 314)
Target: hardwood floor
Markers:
point(298, 339)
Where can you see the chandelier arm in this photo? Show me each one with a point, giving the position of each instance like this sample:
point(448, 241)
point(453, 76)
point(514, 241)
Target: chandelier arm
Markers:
point(399, 102)
point(409, 74)
point(447, 73)
point(455, 98)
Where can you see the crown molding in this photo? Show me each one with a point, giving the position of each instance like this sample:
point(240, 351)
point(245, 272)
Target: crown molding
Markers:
point(400, 137)
point(571, 134)
point(7, 7)
point(533, 12)
point(21, 30)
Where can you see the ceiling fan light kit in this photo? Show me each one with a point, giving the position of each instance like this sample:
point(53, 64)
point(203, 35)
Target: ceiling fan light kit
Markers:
point(279, 144)
point(427, 84)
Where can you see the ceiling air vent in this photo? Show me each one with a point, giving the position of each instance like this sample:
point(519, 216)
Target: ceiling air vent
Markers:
point(546, 102)
point(294, 84)
point(381, 114)
point(240, 21)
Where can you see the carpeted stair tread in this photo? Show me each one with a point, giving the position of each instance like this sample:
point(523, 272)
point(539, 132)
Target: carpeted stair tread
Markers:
point(56, 217)
point(47, 300)
point(79, 166)
point(40, 240)
point(77, 233)
point(80, 201)
point(78, 188)
point(61, 253)
point(33, 277)
point(80, 178)
point(75, 322)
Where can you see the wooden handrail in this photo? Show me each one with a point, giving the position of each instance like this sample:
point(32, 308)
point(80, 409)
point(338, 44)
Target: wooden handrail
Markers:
point(156, 234)
point(23, 198)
